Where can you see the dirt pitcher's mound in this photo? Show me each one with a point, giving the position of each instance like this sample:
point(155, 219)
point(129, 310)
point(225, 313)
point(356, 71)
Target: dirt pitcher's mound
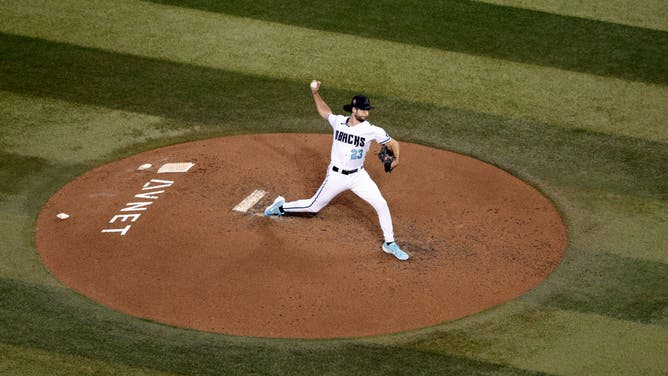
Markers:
point(168, 246)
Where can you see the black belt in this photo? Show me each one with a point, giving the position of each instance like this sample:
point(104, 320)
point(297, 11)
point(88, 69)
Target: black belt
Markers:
point(344, 172)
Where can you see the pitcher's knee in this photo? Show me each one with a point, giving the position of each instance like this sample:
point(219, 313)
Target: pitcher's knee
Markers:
point(314, 209)
point(316, 206)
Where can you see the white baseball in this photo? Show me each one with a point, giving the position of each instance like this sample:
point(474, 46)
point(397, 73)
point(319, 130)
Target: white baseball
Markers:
point(314, 84)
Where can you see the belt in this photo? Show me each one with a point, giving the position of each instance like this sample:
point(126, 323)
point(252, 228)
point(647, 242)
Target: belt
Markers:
point(344, 172)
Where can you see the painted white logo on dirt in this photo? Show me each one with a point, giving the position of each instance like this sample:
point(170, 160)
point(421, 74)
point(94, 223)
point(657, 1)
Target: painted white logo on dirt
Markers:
point(129, 213)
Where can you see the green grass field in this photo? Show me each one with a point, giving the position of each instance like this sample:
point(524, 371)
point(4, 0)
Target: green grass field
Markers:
point(573, 99)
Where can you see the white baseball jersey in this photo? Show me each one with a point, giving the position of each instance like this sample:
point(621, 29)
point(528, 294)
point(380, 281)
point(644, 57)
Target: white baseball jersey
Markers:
point(350, 144)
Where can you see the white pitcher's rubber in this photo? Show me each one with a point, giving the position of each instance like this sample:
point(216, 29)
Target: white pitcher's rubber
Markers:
point(250, 201)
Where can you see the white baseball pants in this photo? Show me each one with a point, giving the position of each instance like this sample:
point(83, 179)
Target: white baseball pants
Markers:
point(360, 183)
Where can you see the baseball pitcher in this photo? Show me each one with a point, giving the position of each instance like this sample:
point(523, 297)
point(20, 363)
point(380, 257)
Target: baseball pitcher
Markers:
point(352, 137)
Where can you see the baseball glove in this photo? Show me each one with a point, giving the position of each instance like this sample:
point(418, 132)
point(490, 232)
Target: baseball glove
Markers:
point(386, 156)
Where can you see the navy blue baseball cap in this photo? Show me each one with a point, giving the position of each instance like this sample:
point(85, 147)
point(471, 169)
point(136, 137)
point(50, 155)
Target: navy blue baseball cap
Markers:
point(359, 101)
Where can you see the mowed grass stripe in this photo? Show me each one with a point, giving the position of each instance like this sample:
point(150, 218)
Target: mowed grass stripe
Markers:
point(42, 128)
point(55, 320)
point(149, 92)
point(403, 71)
point(21, 361)
point(595, 173)
point(554, 341)
point(19, 259)
point(652, 14)
point(90, 87)
point(623, 288)
point(477, 28)
point(622, 224)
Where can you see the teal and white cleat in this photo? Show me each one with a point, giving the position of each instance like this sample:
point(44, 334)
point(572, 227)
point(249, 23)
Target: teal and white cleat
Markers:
point(394, 249)
point(275, 208)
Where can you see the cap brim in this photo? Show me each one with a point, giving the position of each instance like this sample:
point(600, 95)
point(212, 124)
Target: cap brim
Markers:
point(349, 108)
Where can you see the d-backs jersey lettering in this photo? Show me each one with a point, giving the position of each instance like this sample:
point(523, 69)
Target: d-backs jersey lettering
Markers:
point(351, 144)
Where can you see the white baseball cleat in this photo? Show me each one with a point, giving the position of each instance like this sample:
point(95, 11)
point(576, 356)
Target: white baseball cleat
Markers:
point(275, 208)
point(393, 248)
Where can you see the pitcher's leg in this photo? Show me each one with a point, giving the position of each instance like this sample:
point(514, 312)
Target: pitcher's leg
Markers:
point(327, 191)
point(367, 190)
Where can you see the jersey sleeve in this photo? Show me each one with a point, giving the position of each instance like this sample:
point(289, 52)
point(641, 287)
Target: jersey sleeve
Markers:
point(381, 136)
point(333, 119)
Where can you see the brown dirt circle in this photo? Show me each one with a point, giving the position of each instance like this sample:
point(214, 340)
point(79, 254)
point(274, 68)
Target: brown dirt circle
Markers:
point(477, 236)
